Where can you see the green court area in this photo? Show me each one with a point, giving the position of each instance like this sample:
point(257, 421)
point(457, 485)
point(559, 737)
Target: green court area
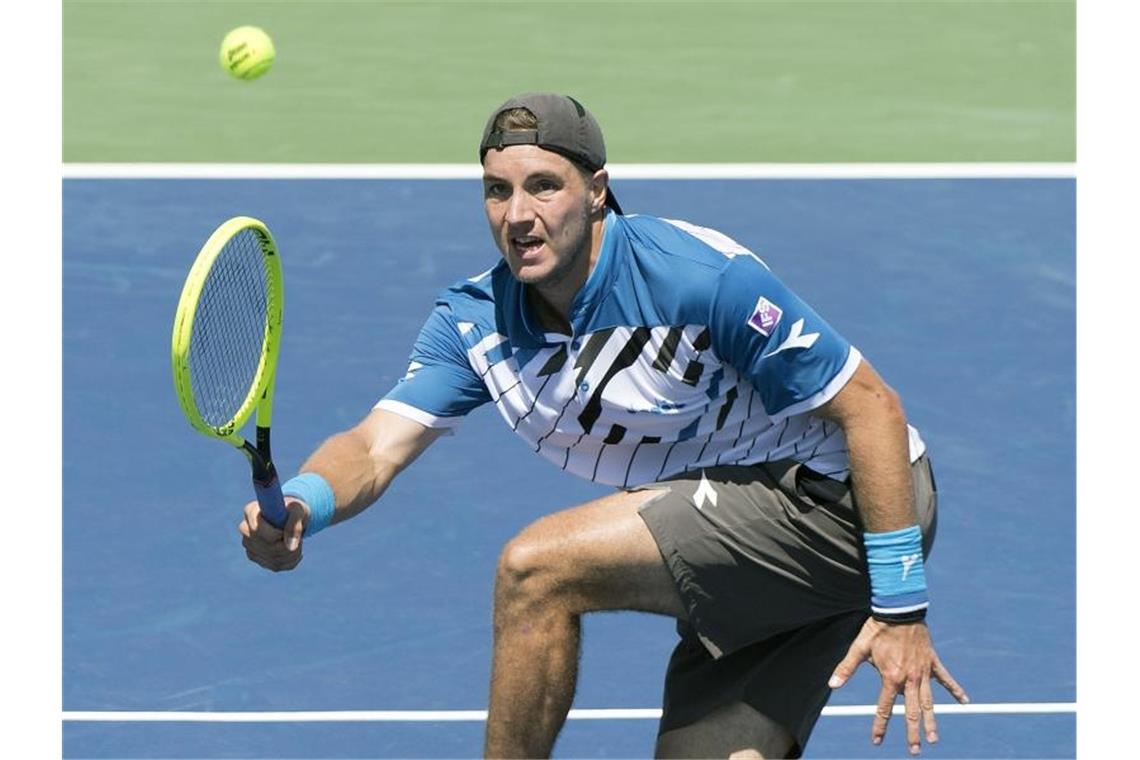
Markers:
point(671, 82)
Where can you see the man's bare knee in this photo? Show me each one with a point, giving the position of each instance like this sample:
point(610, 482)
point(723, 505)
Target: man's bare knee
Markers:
point(529, 574)
point(734, 731)
point(598, 556)
point(519, 562)
point(746, 754)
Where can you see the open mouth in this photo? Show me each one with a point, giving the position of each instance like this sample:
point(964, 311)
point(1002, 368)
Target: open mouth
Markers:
point(526, 245)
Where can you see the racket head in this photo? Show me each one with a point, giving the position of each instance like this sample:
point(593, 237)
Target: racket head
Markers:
point(227, 330)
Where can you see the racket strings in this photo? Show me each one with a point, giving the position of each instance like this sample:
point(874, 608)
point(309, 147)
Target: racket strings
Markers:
point(229, 330)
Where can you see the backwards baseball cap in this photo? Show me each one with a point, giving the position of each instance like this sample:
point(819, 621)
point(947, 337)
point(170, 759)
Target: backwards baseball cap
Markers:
point(564, 127)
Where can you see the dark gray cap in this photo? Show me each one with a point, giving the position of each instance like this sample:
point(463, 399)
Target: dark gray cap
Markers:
point(564, 127)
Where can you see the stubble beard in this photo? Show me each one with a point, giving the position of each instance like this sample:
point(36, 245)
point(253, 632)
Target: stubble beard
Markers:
point(567, 267)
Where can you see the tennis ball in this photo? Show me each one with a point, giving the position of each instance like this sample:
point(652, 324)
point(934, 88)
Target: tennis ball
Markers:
point(247, 52)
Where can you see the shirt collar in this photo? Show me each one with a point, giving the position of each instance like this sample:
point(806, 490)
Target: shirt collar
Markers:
point(527, 329)
point(600, 282)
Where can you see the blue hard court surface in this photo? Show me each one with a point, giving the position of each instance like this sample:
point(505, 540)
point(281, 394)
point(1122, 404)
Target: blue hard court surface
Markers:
point(961, 292)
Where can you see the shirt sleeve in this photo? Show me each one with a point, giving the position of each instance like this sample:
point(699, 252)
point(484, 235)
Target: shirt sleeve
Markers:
point(795, 360)
point(440, 387)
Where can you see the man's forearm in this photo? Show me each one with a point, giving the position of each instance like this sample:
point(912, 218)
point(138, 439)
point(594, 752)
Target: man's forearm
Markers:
point(879, 455)
point(878, 450)
point(359, 464)
point(357, 477)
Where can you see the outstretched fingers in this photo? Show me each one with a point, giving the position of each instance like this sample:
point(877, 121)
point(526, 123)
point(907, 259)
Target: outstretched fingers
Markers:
point(913, 715)
point(943, 675)
point(926, 702)
point(857, 653)
point(883, 710)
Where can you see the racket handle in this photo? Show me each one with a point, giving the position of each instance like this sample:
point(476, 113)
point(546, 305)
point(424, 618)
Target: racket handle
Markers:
point(271, 501)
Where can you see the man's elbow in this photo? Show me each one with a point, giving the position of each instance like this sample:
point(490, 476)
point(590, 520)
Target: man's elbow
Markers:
point(889, 401)
point(865, 396)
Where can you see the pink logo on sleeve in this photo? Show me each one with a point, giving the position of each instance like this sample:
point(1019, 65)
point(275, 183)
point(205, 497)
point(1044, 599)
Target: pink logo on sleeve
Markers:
point(765, 317)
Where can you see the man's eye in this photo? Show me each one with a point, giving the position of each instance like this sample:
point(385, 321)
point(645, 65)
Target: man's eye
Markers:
point(546, 186)
point(495, 190)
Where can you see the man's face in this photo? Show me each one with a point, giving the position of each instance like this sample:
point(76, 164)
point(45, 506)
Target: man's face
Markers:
point(538, 205)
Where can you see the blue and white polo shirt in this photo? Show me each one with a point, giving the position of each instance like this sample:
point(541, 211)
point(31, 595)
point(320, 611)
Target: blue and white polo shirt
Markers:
point(686, 352)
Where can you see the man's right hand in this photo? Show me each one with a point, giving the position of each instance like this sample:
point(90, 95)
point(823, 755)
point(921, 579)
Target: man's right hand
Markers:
point(269, 547)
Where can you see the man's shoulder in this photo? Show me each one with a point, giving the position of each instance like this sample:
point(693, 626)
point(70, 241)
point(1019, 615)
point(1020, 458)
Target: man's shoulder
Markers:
point(475, 295)
point(678, 261)
point(665, 271)
point(681, 241)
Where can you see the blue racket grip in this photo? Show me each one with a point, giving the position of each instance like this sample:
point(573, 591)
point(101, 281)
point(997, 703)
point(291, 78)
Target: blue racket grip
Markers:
point(271, 501)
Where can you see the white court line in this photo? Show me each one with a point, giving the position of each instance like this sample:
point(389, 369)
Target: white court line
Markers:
point(410, 716)
point(617, 171)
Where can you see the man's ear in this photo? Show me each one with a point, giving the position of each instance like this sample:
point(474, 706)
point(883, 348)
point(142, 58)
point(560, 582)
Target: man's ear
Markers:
point(598, 189)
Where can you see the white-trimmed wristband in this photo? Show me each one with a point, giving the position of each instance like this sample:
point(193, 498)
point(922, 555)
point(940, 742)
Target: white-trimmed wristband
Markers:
point(315, 491)
point(898, 578)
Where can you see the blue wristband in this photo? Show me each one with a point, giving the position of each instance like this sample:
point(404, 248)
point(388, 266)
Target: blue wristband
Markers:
point(315, 491)
point(898, 579)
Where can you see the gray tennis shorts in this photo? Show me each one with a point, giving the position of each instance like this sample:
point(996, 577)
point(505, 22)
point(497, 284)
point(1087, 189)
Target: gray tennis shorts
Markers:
point(773, 577)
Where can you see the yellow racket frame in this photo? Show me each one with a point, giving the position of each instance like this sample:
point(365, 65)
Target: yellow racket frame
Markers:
point(260, 394)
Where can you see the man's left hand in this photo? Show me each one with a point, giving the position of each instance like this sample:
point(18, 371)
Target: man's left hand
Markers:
point(905, 658)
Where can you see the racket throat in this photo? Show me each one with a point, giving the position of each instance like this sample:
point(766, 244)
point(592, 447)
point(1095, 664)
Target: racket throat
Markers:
point(260, 459)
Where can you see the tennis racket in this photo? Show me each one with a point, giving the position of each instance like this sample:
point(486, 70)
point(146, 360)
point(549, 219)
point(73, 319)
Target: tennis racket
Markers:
point(227, 332)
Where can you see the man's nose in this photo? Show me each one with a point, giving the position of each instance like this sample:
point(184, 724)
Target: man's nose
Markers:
point(520, 209)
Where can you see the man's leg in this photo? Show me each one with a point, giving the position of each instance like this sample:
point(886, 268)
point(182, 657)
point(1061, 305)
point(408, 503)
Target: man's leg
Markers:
point(735, 731)
point(599, 556)
point(779, 544)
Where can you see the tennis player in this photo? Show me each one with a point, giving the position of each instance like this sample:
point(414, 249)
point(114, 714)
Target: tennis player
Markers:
point(770, 494)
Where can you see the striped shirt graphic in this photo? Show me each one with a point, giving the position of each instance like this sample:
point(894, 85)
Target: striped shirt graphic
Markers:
point(667, 368)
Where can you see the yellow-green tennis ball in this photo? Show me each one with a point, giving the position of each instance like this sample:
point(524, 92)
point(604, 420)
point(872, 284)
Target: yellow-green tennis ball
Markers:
point(247, 52)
